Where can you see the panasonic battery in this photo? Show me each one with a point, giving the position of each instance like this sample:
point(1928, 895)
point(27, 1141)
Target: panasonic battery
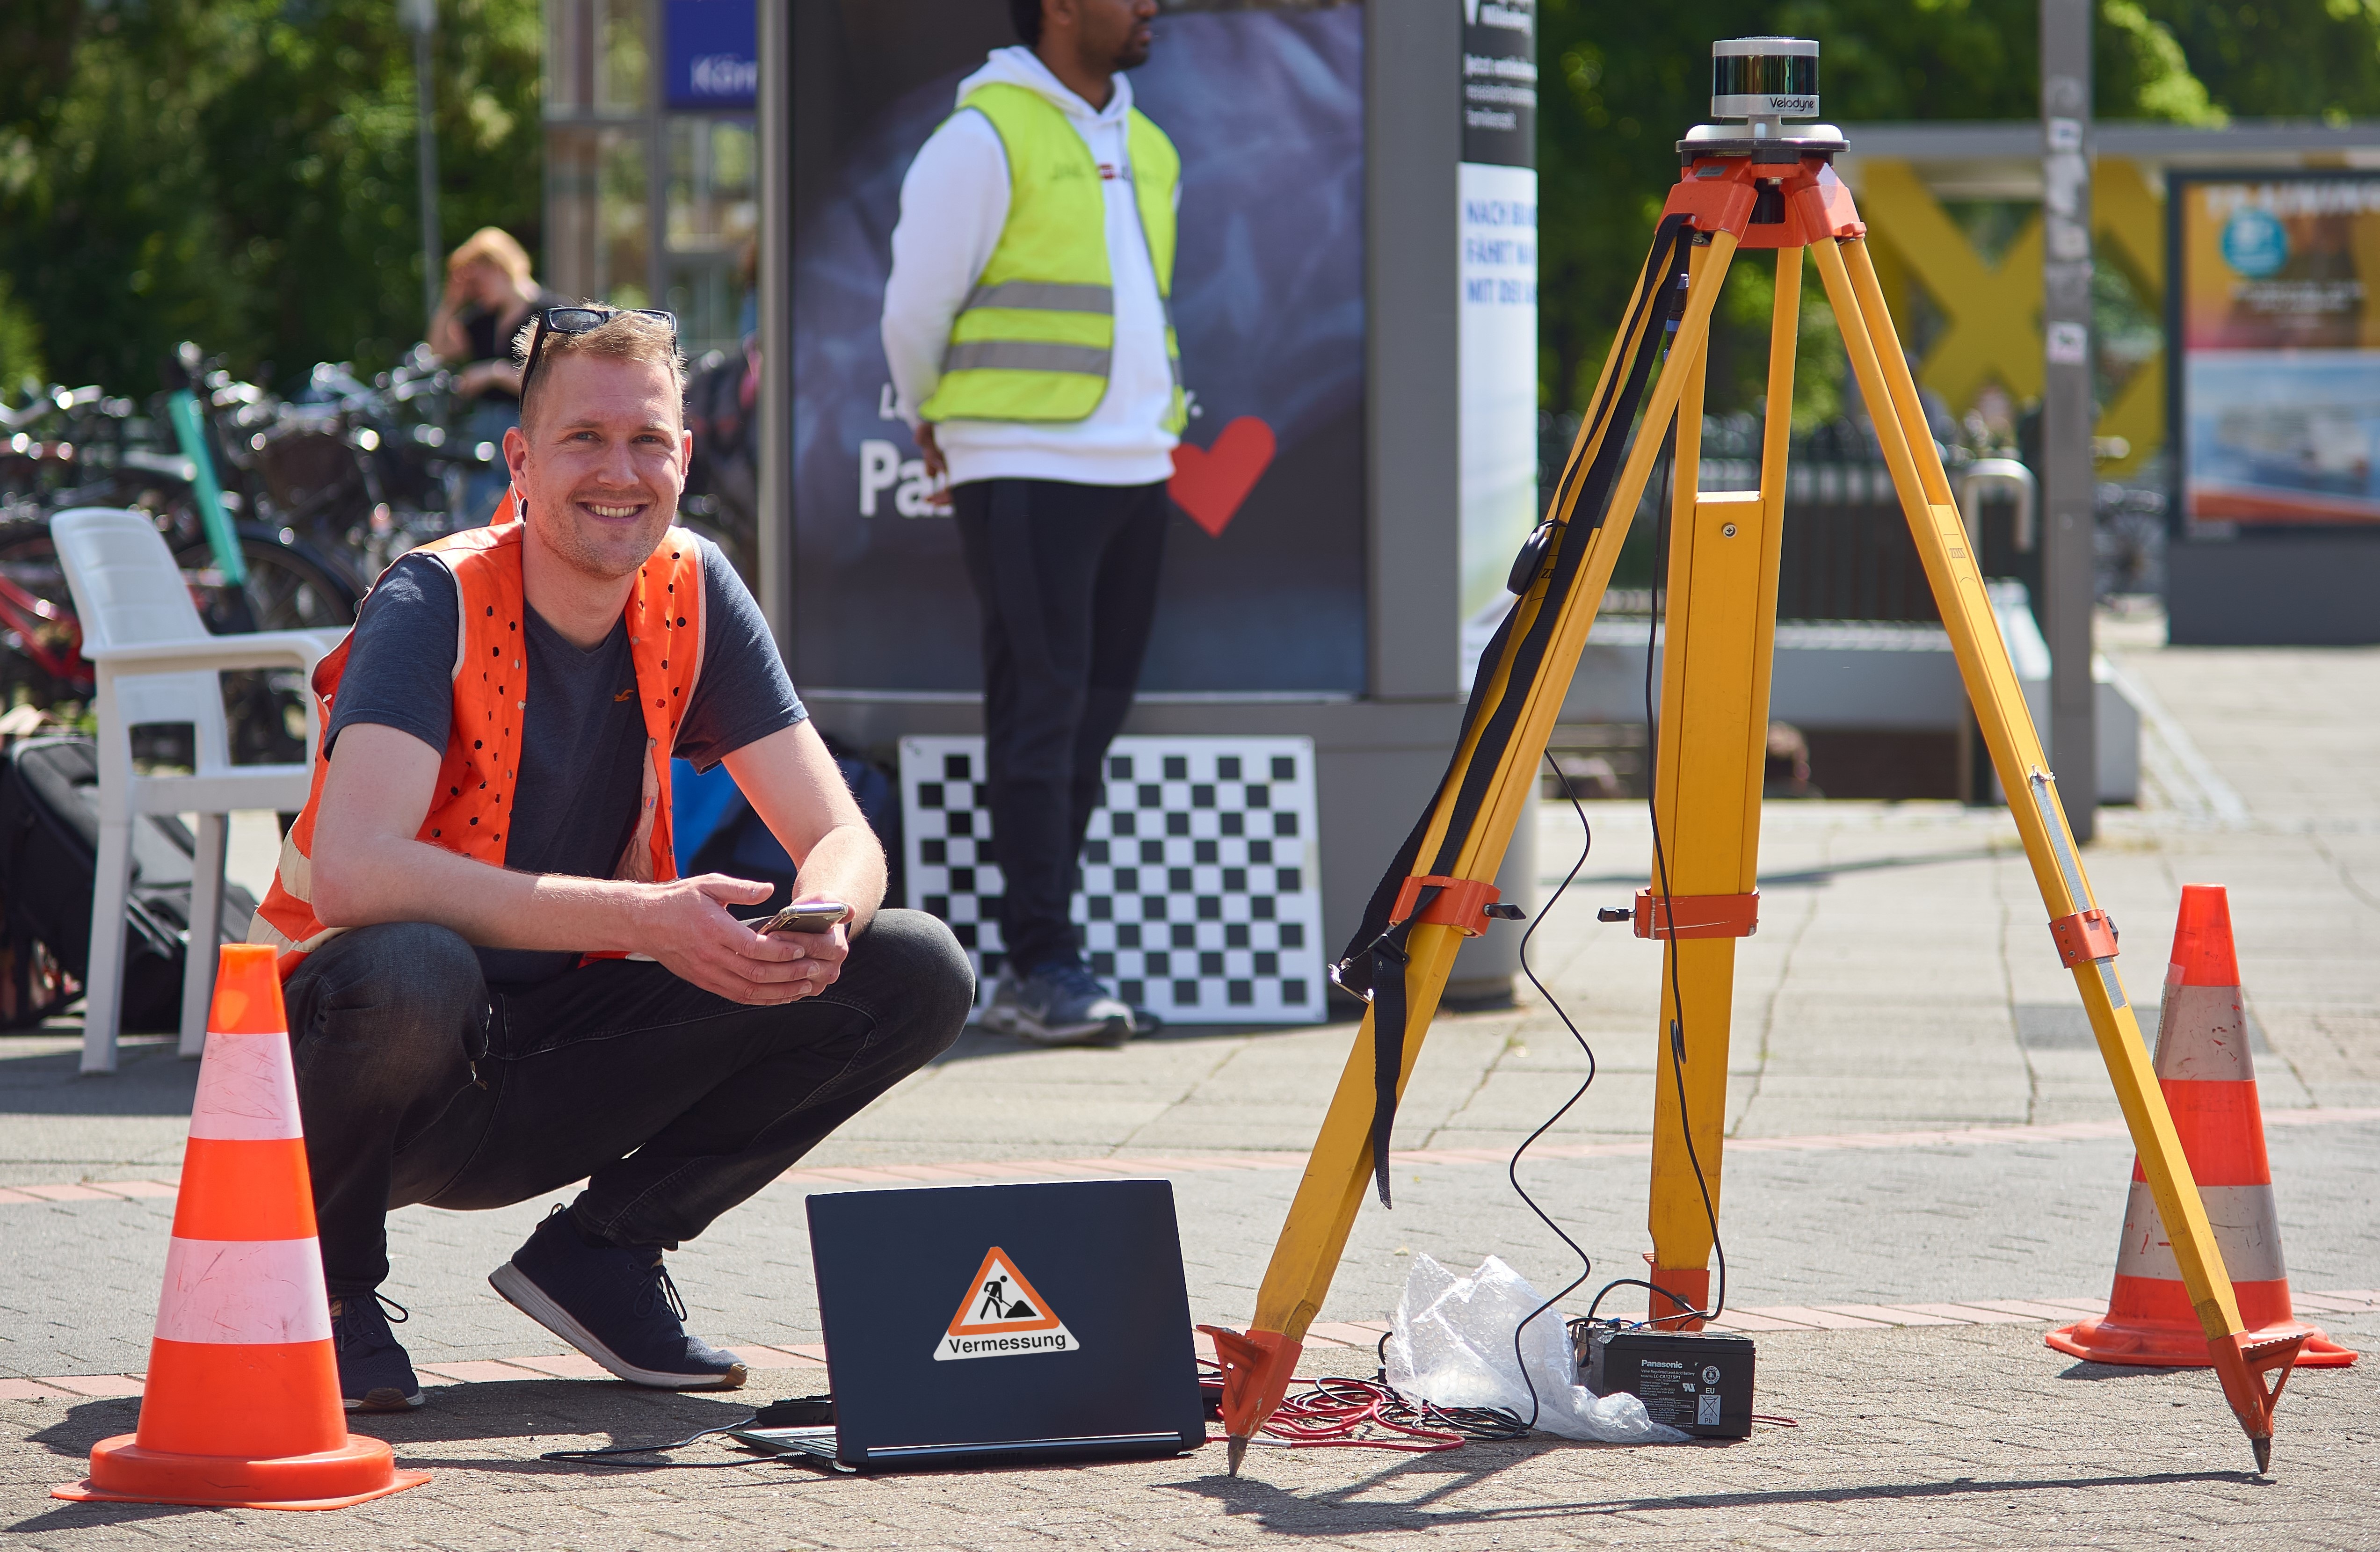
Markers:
point(1698, 1382)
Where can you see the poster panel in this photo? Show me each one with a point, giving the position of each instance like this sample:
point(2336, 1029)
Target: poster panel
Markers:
point(1264, 582)
point(2278, 387)
point(1497, 226)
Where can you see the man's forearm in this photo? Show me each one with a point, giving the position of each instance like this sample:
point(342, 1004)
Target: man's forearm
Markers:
point(412, 881)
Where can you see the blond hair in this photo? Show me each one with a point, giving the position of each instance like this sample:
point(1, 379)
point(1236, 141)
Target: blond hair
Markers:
point(493, 245)
point(623, 336)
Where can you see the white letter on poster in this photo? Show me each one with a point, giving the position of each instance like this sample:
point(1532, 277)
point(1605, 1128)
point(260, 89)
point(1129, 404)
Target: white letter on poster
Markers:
point(880, 470)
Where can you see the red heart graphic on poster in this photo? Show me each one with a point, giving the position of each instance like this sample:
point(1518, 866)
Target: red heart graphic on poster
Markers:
point(1210, 483)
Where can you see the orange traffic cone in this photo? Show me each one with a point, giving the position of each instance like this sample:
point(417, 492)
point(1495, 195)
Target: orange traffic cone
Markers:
point(241, 1408)
point(2210, 1086)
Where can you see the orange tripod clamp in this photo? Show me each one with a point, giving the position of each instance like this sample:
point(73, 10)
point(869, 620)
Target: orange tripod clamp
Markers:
point(1696, 916)
point(1461, 903)
point(2086, 935)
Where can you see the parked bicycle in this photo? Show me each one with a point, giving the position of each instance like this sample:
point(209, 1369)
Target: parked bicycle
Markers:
point(244, 574)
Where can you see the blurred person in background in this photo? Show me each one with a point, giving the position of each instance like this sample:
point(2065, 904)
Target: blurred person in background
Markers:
point(491, 293)
point(1026, 324)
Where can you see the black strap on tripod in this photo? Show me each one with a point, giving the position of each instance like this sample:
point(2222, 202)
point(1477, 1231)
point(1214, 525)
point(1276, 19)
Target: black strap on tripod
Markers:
point(1374, 963)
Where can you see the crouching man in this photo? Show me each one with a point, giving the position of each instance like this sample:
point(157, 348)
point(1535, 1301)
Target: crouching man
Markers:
point(497, 983)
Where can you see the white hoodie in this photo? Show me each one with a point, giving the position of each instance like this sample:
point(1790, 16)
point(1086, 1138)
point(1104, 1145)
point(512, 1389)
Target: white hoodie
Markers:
point(954, 203)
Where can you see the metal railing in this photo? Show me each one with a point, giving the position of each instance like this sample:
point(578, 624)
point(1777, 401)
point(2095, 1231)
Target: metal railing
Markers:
point(1846, 552)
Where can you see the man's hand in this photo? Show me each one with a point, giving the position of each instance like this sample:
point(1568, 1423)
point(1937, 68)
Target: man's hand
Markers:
point(937, 469)
point(692, 935)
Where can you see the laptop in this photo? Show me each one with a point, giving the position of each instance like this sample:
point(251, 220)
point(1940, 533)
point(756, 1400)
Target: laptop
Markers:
point(975, 1324)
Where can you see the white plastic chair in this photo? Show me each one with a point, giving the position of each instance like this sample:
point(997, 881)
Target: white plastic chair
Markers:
point(157, 663)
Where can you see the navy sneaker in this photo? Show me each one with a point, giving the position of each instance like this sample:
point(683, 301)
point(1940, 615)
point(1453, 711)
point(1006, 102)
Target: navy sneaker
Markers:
point(375, 1373)
point(615, 1305)
point(1059, 1004)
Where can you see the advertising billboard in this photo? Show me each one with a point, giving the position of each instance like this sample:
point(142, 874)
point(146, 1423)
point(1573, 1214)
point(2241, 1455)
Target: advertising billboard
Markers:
point(1497, 187)
point(2276, 381)
point(1265, 566)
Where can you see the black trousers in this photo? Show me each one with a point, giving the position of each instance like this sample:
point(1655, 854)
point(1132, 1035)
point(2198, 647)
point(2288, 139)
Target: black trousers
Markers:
point(1066, 576)
point(418, 1085)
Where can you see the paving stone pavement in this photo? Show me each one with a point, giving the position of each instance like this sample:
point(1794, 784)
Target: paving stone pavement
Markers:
point(1902, 980)
point(1969, 1437)
point(1892, 1225)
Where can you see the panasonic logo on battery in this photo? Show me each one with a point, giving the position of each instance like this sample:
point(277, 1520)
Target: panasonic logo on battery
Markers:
point(1656, 1364)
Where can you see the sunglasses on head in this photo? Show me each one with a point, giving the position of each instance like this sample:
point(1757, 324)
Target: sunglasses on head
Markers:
point(579, 321)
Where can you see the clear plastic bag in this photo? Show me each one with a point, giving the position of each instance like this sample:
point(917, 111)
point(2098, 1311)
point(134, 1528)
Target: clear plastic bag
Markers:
point(1450, 1343)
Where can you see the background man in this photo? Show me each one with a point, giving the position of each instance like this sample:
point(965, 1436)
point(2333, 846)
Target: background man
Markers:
point(489, 834)
point(1026, 322)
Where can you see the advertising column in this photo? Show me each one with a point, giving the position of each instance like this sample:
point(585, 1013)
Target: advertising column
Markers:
point(1496, 225)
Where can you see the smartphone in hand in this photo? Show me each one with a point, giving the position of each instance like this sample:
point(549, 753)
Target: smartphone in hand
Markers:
point(806, 915)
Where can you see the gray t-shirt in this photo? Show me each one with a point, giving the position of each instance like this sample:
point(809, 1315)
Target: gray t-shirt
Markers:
point(583, 736)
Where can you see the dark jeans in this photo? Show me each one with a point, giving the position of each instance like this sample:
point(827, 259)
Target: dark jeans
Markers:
point(1066, 576)
point(418, 1084)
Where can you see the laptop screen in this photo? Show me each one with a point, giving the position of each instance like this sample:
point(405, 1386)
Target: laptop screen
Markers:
point(1043, 1318)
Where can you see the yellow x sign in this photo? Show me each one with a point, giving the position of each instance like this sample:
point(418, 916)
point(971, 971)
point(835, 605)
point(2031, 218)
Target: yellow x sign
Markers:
point(1992, 312)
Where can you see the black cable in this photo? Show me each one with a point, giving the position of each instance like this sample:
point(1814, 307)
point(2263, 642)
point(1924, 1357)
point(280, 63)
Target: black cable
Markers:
point(1479, 1423)
point(1676, 1025)
point(605, 1456)
point(1661, 872)
point(1512, 1170)
point(1677, 996)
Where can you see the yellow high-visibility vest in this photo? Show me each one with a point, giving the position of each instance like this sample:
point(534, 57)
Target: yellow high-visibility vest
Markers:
point(1034, 341)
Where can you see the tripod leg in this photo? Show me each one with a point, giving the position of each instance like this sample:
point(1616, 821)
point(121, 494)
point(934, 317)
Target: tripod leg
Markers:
point(2084, 941)
point(1722, 619)
point(1256, 1365)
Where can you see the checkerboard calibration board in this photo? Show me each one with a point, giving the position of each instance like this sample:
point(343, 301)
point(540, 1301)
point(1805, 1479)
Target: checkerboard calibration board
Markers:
point(1201, 896)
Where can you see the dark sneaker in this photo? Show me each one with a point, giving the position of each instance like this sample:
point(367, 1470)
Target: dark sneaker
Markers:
point(1059, 1004)
point(375, 1373)
point(615, 1305)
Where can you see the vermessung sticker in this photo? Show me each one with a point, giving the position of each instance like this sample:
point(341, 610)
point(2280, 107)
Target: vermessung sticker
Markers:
point(1002, 1315)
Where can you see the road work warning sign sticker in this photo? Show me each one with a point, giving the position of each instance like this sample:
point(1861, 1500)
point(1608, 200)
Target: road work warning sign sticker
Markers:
point(1003, 1317)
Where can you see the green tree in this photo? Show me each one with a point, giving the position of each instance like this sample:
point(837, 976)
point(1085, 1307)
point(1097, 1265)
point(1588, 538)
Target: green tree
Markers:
point(1620, 83)
point(2281, 58)
point(242, 173)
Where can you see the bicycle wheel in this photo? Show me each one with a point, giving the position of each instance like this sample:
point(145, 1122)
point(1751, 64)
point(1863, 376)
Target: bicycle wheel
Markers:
point(40, 665)
point(290, 585)
point(289, 588)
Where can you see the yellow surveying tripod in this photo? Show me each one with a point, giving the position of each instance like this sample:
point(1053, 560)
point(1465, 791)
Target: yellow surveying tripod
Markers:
point(1743, 186)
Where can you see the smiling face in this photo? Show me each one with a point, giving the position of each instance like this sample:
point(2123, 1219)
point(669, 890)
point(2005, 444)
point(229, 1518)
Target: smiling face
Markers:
point(601, 461)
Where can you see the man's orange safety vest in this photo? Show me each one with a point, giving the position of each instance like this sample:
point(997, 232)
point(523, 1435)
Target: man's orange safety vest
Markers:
point(476, 779)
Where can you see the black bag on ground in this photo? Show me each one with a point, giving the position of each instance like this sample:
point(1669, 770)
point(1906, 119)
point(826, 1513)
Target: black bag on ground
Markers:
point(48, 854)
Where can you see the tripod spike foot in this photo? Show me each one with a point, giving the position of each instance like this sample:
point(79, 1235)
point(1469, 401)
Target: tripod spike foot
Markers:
point(1256, 1369)
point(2242, 1364)
point(1235, 1449)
